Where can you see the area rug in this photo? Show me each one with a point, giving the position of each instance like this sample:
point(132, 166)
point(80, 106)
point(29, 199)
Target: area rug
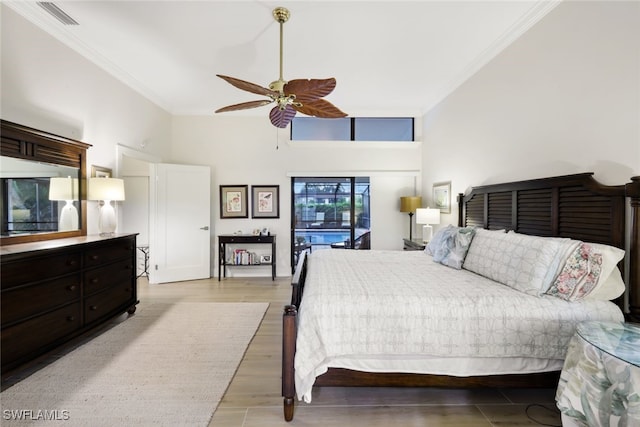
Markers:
point(167, 365)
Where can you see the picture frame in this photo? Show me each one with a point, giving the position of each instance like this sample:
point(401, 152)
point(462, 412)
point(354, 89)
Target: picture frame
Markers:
point(442, 196)
point(265, 201)
point(265, 259)
point(100, 172)
point(233, 201)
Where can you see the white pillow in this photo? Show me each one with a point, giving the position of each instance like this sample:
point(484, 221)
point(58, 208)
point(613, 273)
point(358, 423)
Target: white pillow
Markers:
point(526, 263)
point(610, 286)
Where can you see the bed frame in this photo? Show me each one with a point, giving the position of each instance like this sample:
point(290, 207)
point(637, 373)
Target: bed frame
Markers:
point(574, 206)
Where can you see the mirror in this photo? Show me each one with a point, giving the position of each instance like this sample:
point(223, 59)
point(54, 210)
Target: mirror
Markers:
point(38, 197)
point(42, 185)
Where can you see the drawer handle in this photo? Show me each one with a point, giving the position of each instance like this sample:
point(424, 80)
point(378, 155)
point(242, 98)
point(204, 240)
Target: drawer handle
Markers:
point(71, 287)
point(71, 262)
point(93, 307)
point(95, 280)
point(94, 257)
point(70, 318)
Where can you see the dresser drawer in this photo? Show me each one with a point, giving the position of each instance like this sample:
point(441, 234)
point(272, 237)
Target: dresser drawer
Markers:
point(35, 335)
point(23, 302)
point(102, 304)
point(108, 252)
point(99, 279)
point(20, 272)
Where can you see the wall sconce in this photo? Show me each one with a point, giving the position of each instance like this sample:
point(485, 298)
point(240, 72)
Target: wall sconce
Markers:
point(105, 190)
point(409, 204)
point(65, 189)
point(427, 216)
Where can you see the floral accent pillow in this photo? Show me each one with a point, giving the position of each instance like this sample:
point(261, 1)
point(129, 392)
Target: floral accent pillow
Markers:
point(579, 275)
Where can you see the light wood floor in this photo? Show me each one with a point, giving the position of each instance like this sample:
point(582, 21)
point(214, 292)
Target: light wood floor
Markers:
point(253, 398)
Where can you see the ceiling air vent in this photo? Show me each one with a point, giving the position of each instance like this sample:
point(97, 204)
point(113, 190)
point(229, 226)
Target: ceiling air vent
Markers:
point(57, 13)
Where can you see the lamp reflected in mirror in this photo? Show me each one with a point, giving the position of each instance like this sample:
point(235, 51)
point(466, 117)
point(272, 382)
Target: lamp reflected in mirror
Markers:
point(106, 190)
point(65, 189)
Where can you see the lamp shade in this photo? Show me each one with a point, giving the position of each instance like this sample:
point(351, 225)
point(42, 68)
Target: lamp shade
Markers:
point(428, 216)
point(63, 188)
point(106, 189)
point(410, 203)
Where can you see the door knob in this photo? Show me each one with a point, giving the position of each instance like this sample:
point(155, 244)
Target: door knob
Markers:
point(206, 227)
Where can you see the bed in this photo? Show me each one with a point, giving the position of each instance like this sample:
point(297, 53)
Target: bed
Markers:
point(433, 325)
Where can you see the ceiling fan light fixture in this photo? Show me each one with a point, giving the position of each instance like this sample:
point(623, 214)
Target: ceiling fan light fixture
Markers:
point(300, 95)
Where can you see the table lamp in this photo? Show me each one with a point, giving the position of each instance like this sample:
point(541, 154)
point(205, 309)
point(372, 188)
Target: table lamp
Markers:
point(105, 190)
point(65, 189)
point(427, 217)
point(409, 204)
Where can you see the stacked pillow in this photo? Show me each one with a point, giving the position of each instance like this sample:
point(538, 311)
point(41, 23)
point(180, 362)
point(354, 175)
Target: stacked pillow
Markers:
point(450, 245)
point(526, 263)
point(590, 272)
point(561, 267)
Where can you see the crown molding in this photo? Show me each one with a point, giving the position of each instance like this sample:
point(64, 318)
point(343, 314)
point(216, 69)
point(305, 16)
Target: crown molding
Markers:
point(528, 20)
point(43, 20)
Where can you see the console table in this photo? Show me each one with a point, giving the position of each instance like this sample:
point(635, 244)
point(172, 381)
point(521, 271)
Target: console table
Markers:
point(244, 239)
point(600, 379)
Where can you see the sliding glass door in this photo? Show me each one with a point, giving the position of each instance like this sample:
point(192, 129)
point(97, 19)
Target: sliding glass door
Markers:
point(329, 213)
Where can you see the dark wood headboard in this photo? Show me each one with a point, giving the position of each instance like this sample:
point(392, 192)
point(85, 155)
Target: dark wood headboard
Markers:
point(574, 206)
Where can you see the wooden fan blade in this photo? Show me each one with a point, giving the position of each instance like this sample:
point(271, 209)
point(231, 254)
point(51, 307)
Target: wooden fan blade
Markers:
point(321, 108)
point(281, 118)
point(248, 86)
point(309, 89)
point(244, 105)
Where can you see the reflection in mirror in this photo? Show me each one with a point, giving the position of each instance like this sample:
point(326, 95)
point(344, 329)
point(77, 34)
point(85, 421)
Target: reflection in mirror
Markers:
point(37, 197)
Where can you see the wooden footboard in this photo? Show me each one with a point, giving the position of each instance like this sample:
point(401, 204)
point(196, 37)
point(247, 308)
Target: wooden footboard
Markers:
point(289, 335)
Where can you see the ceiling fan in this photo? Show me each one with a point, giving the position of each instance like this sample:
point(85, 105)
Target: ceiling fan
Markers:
point(300, 95)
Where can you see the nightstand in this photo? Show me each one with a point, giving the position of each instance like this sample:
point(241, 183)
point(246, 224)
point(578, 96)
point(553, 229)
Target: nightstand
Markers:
point(412, 245)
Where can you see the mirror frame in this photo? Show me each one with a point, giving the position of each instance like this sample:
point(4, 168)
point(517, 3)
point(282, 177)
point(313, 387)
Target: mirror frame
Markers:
point(23, 142)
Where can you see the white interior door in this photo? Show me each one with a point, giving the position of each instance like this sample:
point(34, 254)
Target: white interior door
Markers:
point(179, 225)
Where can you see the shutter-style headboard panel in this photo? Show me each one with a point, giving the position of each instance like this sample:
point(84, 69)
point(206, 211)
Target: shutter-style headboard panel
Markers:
point(574, 206)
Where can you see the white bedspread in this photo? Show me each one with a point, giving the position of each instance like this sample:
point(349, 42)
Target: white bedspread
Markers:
point(393, 311)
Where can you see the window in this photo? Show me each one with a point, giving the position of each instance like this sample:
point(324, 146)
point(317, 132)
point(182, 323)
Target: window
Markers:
point(28, 208)
point(352, 129)
point(329, 213)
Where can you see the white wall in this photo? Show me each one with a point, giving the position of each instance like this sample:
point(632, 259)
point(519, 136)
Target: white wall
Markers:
point(249, 150)
point(562, 99)
point(48, 86)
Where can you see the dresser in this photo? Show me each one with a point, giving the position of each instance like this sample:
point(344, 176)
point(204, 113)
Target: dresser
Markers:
point(55, 290)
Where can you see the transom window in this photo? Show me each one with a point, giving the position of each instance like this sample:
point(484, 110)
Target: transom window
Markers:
point(352, 129)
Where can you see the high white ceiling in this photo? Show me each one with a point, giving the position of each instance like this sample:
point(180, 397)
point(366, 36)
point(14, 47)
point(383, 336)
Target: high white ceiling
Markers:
point(389, 57)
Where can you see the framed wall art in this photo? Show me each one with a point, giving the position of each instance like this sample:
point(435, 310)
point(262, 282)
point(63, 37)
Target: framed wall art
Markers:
point(265, 201)
point(442, 196)
point(100, 172)
point(233, 201)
